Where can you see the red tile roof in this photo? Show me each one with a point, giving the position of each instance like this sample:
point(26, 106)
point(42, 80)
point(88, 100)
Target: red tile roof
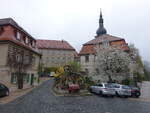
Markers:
point(10, 21)
point(88, 48)
point(54, 44)
point(101, 38)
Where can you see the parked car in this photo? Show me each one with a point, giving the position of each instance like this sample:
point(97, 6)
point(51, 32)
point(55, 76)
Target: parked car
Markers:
point(135, 91)
point(73, 88)
point(51, 74)
point(103, 89)
point(4, 91)
point(122, 90)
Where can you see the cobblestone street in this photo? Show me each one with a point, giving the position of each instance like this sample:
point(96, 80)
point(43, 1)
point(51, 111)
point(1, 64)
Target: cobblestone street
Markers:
point(41, 100)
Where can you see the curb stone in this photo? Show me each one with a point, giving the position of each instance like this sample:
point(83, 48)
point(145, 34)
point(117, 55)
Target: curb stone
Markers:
point(55, 93)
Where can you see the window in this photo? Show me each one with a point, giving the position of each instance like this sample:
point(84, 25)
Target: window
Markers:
point(101, 85)
point(19, 58)
point(13, 78)
point(86, 58)
point(33, 43)
point(105, 43)
point(97, 71)
point(87, 71)
point(26, 40)
point(125, 87)
point(1, 86)
point(18, 35)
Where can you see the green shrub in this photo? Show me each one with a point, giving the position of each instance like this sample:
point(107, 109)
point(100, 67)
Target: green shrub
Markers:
point(75, 66)
point(88, 81)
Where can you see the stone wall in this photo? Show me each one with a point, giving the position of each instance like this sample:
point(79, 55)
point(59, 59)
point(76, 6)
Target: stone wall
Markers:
point(53, 57)
point(91, 66)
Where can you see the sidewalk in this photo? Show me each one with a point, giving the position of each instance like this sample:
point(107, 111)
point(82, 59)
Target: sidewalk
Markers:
point(15, 93)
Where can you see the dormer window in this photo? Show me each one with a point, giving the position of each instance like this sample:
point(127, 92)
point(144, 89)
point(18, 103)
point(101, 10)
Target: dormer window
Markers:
point(18, 36)
point(105, 43)
point(33, 43)
point(26, 40)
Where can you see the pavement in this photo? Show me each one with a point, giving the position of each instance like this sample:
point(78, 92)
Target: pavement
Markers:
point(15, 93)
point(42, 100)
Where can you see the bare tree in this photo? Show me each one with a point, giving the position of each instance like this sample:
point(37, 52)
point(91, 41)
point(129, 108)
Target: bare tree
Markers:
point(19, 59)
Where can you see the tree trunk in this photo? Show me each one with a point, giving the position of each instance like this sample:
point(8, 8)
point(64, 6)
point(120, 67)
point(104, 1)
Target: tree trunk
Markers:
point(20, 79)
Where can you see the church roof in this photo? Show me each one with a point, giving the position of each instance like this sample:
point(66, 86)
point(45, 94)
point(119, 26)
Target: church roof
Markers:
point(88, 48)
point(54, 44)
point(101, 38)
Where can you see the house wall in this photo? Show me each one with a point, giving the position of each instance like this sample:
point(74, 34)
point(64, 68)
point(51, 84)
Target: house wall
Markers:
point(8, 31)
point(3, 54)
point(117, 42)
point(90, 66)
point(52, 57)
point(4, 70)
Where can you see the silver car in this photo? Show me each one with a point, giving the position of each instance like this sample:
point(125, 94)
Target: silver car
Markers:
point(122, 90)
point(103, 89)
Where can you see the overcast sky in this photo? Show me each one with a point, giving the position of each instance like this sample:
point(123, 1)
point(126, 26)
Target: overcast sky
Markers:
point(76, 21)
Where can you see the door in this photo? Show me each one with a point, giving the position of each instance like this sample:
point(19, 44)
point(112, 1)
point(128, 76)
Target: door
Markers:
point(32, 79)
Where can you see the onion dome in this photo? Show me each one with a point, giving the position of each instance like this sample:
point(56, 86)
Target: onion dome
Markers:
point(101, 30)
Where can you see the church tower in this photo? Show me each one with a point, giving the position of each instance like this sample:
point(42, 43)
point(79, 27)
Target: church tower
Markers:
point(101, 30)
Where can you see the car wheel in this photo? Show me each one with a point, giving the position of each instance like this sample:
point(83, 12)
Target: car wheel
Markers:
point(112, 96)
point(90, 90)
point(125, 96)
point(101, 93)
point(117, 94)
point(137, 96)
point(69, 91)
point(7, 93)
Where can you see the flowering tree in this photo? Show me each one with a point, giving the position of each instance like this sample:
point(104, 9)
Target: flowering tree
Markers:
point(112, 62)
